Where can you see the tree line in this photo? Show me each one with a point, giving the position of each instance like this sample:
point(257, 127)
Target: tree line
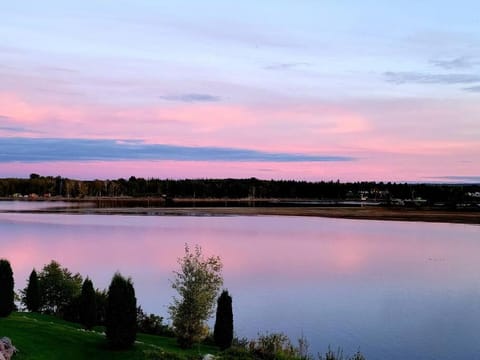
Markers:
point(231, 188)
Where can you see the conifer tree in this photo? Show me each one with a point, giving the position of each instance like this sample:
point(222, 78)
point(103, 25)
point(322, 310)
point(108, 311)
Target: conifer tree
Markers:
point(6, 288)
point(32, 293)
point(121, 313)
point(88, 306)
point(223, 330)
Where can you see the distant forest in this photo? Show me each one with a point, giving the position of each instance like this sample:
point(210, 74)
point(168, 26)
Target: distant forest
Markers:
point(49, 186)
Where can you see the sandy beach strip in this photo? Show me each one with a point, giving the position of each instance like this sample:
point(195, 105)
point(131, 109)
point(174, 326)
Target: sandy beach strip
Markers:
point(361, 213)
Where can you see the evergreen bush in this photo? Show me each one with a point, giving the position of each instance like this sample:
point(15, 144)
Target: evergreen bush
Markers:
point(223, 330)
point(121, 313)
point(7, 294)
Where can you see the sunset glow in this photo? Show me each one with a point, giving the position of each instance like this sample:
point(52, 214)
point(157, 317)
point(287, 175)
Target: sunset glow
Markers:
point(328, 90)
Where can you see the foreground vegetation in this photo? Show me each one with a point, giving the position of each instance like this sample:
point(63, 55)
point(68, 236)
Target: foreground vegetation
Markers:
point(46, 337)
point(39, 336)
point(69, 318)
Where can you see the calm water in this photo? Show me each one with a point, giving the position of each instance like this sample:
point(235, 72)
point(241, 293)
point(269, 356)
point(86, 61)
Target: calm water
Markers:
point(396, 290)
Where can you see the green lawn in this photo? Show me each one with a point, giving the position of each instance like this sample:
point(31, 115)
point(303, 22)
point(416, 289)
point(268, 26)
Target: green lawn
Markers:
point(40, 337)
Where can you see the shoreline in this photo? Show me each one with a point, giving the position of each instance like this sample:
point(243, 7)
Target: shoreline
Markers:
point(354, 213)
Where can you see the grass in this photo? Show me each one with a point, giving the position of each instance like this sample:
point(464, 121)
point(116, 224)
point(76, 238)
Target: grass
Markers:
point(39, 337)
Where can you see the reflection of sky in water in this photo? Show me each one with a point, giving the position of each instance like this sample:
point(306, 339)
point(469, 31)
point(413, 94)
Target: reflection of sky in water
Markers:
point(395, 289)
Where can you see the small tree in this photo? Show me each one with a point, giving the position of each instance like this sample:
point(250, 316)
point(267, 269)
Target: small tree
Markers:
point(197, 284)
point(151, 323)
point(7, 294)
point(58, 288)
point(223, 330)
point(121, 313)
point(88, 306)
point(32, 293)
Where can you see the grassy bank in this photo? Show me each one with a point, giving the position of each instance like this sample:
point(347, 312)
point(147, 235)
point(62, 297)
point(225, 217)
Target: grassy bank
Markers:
point(43, 337)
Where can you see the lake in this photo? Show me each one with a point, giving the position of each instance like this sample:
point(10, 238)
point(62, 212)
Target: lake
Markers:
point(394, 290)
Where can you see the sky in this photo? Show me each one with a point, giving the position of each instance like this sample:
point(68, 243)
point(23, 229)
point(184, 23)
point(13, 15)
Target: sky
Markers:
point(304, 89)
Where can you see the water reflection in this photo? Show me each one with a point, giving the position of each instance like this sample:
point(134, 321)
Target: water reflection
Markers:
point(394, 289)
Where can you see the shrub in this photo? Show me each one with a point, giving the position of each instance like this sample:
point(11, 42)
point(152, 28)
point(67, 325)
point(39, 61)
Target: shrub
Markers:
point(32, 293)
point(121, 313)
point(152, 324)
point(338, 355)
point(88, 305)
point(7, 294)
point(223, 330)
point(273, 346)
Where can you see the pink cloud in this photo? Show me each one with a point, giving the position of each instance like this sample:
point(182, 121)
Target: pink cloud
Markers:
point(186, 124)
point(390, 140)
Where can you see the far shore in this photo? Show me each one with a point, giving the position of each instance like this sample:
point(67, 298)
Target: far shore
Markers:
point(365, 213)
point(230, 208)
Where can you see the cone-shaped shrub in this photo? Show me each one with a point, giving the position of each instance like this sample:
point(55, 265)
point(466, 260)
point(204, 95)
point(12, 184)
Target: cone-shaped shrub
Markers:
point(121, 313)
point(32, 293)
point(6, 288)
point(223, 331)
point(88, 306)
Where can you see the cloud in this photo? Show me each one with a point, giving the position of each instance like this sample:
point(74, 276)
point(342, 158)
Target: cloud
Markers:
point(192, 97)
point(461, 62)
point(13, 128)
point(57, 149)
point(6, 124)
point(286, 66)
point(422, 78)
point(473, 88)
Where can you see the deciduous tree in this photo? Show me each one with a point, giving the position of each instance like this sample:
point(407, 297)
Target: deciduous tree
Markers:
point(197, 284)
point(58, 287)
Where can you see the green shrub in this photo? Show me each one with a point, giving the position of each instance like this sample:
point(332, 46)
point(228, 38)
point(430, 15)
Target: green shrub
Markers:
point(223, 330)
point(7, 294)
point(32, 293)
point(88, 305)
point(121, 317)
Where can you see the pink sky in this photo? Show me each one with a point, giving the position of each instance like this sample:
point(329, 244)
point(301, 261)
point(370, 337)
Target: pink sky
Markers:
point(400, 102)
point(400, 149)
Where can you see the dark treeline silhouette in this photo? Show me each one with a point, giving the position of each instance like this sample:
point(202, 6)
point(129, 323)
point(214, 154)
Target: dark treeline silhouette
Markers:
point(234, 189)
